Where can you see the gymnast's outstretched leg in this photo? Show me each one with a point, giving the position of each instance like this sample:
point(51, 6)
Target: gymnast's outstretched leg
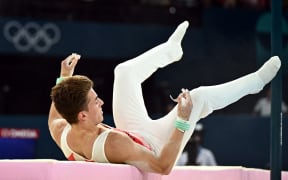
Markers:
point(129, 110)
point(220, 96)
point(206, 99)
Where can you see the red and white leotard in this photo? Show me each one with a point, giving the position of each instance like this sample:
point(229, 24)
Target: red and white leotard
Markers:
point(98, 152)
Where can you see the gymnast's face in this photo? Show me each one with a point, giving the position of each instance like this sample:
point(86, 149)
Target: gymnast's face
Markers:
point(95, 112)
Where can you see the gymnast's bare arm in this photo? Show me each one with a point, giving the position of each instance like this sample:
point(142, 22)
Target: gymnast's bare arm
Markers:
point(121, 149)
point(55, 121)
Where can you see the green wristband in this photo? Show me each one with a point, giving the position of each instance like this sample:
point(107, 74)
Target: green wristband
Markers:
point(182, 125)
point(59, 79)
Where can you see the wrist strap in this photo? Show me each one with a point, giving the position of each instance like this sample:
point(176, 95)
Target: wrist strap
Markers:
point(182, 125)
point(59, 79)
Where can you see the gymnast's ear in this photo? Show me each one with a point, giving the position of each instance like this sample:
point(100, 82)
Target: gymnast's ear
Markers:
point(82, 116)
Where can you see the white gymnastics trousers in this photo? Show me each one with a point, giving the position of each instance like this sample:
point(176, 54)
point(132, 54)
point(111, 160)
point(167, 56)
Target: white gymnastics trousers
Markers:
point(129, 110)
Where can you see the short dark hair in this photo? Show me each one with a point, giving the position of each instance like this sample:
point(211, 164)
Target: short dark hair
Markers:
point(70, 96)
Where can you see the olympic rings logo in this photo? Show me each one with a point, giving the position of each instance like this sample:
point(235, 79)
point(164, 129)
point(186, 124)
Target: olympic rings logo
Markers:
point(32, 36)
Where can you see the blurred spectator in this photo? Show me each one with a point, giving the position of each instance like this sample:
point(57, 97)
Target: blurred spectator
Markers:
point(219, 3)
point(194, 153)
point(257, 4)
point(254, 4)
point(263, 105)
point(228, 3)
point(187, 3)
point(156, 2)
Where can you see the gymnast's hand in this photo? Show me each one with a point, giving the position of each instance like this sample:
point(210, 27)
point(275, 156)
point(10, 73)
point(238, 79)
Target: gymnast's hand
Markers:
point(68, 65)
point(184, 105)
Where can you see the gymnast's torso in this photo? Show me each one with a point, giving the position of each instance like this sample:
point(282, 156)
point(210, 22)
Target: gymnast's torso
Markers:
point(98, 150)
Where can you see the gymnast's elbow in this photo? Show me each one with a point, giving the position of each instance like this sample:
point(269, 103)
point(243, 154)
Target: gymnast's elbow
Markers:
point(162, 168)
point(152, 167)
point(166, 171)
point(161, 165)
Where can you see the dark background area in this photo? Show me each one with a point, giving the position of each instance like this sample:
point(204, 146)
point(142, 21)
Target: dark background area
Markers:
point(222, 43)
point(220, 47)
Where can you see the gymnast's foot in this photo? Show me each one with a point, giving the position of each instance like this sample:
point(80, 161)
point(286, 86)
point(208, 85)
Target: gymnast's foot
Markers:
point(269, 69)
point(179, 33)
point(174, 41)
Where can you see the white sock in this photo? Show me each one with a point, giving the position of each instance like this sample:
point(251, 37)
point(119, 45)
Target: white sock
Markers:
point(174, 41)
point(179, 33)
point(269, 69)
